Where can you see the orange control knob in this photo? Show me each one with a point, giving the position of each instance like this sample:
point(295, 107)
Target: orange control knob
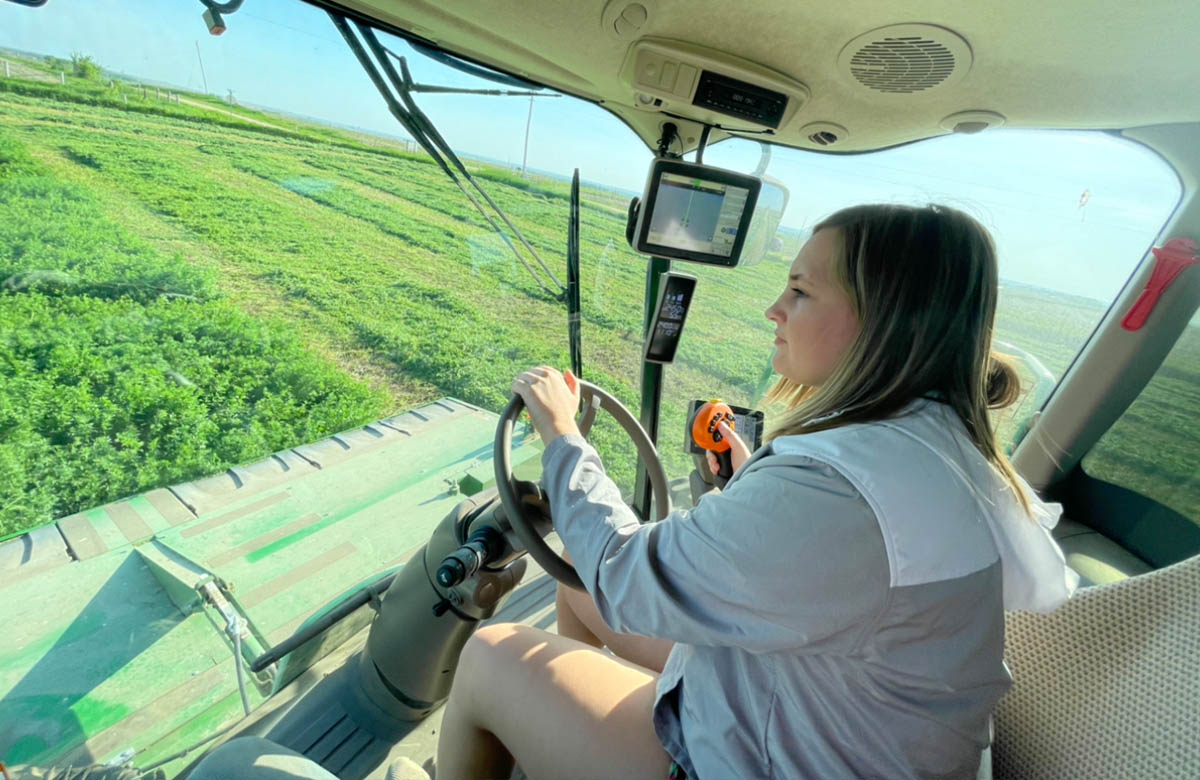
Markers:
point(704, 426)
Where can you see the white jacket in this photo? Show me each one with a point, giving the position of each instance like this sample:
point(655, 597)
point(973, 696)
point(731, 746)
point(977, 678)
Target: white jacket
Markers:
point(838, 609)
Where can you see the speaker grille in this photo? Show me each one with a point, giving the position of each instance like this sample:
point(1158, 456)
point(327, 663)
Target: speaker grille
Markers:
point(908, 64)
point(904, 59)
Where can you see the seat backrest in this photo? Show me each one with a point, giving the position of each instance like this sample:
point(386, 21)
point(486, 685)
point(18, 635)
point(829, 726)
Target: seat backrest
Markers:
point(1108, 686)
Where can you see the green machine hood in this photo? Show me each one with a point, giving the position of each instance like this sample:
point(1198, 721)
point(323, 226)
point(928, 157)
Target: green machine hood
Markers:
point(109, 646)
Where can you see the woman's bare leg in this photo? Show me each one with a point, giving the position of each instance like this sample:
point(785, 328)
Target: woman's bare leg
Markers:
point(579, 619)
point(562, 709)
point(569, 624)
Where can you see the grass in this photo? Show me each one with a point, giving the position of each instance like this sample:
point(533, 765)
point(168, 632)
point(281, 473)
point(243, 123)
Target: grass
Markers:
point(185, 290)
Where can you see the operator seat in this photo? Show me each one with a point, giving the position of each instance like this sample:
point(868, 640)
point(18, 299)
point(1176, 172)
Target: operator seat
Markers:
point(1108, 685)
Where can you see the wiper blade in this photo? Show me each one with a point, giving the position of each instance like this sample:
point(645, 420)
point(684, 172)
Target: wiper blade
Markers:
point(574, 336)
point(423, 131)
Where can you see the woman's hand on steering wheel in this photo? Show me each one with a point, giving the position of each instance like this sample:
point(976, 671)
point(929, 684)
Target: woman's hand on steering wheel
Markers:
point(552, 399)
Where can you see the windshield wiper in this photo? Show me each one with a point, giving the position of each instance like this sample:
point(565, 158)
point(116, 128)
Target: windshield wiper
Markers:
point(574, 337)
point(423, 131)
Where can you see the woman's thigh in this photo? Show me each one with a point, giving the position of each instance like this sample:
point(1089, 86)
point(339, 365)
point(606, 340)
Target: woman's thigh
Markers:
point(642, 650)
point(563, 709)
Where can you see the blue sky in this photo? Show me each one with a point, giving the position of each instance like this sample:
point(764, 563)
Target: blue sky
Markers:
point(1025, 186)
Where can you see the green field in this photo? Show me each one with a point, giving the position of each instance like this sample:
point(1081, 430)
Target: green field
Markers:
point(184, 290)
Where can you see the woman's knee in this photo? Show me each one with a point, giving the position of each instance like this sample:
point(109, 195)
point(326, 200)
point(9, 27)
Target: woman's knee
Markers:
point(498, 650)
point(484, 651)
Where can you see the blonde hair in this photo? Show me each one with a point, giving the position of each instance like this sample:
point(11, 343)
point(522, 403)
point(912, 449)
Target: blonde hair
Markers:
point(923, 284)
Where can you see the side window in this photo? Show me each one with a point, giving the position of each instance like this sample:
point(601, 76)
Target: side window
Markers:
point(1153, 448)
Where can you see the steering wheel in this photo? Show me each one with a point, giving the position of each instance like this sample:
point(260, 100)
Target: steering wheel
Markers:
point(524, 502)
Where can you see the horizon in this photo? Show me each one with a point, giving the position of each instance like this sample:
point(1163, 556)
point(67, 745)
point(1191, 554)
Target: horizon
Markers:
point(1024, 185)
point(553, 175)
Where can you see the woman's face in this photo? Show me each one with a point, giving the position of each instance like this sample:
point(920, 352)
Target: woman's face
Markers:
point(814, 321)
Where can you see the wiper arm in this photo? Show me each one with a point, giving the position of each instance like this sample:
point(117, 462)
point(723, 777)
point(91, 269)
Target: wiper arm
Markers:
point(423, 131)
point(471, 69)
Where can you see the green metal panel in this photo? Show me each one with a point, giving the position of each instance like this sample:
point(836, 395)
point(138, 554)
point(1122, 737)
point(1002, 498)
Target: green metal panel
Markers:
point(88, 646)
point(652, 383)
point(116, 651)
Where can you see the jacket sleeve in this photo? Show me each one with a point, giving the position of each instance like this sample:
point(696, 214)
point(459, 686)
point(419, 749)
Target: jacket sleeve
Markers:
point(788, 555)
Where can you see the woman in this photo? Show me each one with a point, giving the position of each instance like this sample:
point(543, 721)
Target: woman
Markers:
point(837, 611)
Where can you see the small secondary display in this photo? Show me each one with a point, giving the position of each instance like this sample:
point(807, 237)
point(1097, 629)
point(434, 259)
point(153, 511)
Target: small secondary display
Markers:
point(666, 327)
point(695, 212)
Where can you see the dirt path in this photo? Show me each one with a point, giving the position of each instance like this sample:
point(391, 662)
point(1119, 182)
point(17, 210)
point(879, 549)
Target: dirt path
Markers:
point(242, 117)
point(18, 70)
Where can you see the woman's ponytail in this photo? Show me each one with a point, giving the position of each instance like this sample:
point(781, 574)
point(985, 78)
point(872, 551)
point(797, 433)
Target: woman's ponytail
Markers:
point(1003, 385)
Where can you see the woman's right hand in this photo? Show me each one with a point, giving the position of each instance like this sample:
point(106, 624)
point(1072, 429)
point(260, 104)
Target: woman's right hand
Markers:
point(739, 453)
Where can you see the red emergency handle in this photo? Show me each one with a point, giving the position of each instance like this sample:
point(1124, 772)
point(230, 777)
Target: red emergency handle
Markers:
point(1170, 260)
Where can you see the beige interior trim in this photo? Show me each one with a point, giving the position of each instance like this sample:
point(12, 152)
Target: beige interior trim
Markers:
point(1074, 63)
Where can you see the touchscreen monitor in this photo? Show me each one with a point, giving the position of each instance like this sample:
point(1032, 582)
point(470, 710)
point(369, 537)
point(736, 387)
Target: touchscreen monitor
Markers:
point(695, 212)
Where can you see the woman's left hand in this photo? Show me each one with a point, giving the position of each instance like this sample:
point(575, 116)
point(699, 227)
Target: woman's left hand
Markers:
point(552, 400)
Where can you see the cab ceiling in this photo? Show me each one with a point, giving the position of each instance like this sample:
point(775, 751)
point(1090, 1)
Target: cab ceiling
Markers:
point(1095, 64)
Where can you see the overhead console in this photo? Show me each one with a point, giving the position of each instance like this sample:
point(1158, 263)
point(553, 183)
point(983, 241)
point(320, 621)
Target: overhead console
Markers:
point(709, 86)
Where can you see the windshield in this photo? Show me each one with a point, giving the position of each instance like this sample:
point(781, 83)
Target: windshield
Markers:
point(210, 257)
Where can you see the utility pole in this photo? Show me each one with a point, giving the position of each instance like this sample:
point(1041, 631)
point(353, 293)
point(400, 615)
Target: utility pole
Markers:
point(202, 76)
point(528, 122)
point(414, 87)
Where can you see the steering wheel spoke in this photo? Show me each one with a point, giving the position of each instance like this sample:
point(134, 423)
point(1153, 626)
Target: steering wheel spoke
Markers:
point(591, 405)
point(532, 497)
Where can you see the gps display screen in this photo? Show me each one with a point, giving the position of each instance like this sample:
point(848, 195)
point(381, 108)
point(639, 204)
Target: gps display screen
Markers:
point(695, 212)
point(697, 215)
point(674, 298)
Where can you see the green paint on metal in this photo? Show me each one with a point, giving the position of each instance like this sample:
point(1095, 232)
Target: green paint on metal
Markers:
point(482, 476)
point(176, 575)
point(149, 514)
point(106, 529)
point(386, 491)
point(5, 537)
point(54, 722)
point(476, 479)
point(291, 539)
point(98, 714)
point(25, 750)
point(113, 637)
